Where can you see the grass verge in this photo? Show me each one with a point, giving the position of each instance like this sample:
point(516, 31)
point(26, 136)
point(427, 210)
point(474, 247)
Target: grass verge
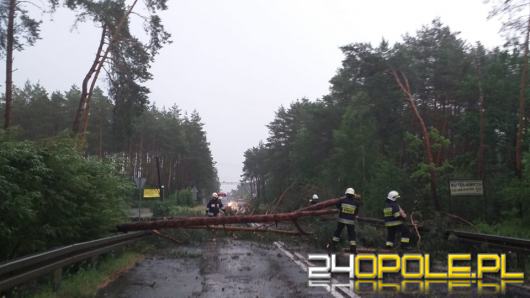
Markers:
point(87, 281)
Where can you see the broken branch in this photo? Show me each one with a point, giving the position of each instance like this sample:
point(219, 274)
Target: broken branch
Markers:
point(157, 232)
point(321, 205)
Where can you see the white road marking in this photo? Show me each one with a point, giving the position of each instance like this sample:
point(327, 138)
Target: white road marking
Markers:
point(290, 256)
point(304, 263)
point(300, 256)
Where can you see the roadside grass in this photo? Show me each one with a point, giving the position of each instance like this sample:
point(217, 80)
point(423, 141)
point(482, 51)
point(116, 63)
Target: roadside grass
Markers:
point(170, 208)
point(186, 211)
point(88, 280)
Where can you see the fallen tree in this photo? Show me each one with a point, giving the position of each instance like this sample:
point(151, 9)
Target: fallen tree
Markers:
point(207, 221)
point(321, 205)
point(246, 229)
point(219, 223)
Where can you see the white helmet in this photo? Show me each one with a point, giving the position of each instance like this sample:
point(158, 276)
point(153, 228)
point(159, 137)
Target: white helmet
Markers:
point(315, 197)
point(215, 195)
point(393, 195)
point(349, 191)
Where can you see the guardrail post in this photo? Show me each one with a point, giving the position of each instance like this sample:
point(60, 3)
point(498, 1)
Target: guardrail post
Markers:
point(57, 278)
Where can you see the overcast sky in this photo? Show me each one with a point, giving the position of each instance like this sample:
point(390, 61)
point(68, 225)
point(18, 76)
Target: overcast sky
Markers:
point(237, 61)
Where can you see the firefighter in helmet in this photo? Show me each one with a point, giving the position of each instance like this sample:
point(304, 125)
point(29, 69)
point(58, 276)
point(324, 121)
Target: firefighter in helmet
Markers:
point(313, 200)
point(394, 217)
point(214, 206)
point(348, 209)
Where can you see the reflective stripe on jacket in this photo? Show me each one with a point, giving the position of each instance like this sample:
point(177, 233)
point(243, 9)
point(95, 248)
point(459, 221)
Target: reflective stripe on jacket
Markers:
point(348, 209)
point(213, 206)
point(391, 214)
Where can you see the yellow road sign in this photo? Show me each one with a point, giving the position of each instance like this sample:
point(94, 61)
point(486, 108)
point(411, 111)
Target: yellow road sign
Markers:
point(151, 193)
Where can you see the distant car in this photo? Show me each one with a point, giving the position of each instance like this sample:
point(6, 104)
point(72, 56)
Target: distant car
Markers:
point(231, 208)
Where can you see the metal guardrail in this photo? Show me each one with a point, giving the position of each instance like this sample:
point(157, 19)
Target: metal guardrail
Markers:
point(518, 244)
point(24, 269)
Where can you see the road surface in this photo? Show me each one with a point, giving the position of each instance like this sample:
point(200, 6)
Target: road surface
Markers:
point(237, 268)
point(222, 268)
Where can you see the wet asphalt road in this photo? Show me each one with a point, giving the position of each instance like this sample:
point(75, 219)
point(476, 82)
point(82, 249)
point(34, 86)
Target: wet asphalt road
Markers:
point(222, 268)
point(237, 268)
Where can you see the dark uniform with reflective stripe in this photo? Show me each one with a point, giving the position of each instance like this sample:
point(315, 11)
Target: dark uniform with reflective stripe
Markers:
point(213, 207)
point(394, 224)
point(348, 209)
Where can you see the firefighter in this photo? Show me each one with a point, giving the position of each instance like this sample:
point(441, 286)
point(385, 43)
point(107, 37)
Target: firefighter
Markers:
point(394, 217)
point(314, 199)
point(214, 205)
point(348, 209)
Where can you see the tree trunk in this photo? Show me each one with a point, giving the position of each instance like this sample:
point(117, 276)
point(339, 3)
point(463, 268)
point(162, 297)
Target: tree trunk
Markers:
point(9, 62)
point(100, 140)
point(220, 220)
point(89, 95)
point(405, 87)
point(481, 146)
point(252, 187)
point(522, 114)
point(84, 86)
point(246, 229)
point(169, 177)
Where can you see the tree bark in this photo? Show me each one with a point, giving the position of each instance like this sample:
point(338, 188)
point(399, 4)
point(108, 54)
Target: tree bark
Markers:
point(169, 177)
point(522, 113)
point(89, 95)
point(481, 146)
point(405, 87)
point(246, 229)
point(100, 153)
point(321, 205)
point(84, 86)
point(9, 62)
point(202, 220)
